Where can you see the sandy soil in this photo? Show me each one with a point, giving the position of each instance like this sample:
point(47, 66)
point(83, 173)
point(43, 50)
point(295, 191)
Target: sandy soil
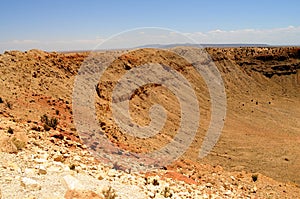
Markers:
point(261, 132)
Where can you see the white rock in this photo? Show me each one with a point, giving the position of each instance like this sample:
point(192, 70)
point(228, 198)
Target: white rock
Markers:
point(209, 185)
point(77, 158)
point(112, 173)
point(83, 166)
point(232, 177)
point(66, 155)
point(29, 183)
point(29, 171)
point(228, 192)
point(254, 189)
point(58, 164)
point(66, 168)
point(42, 170)
point(40, 160)
point(151, 195)
point(205, 196)
point(54, 168)
point(44, 156)
point(72, 182)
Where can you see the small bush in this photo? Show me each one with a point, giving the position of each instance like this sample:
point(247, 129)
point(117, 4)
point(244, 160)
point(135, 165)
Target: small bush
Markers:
point(49, 123)
point(44, 118)
point(46, 127)
point(8, 105)
point(53, 123)
point(116, 166)
point(1, 100)
point(10, 130)
point(72, 166)
point(20, 144)
point(36, 128)
point(166, 192)
point(254, 177)
point(19, 140)
point(109, 193)
point(155, 182)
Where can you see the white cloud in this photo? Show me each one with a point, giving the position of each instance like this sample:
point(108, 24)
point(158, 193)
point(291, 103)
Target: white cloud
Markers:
point(58, 45)
point(25, 41)
point(278, 36)
point(216, 31)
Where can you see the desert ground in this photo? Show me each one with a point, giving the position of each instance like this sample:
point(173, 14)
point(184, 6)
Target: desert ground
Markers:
point(257, 155)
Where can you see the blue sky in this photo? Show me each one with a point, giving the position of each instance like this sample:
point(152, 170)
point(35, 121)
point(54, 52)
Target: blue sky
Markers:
point(68, 24)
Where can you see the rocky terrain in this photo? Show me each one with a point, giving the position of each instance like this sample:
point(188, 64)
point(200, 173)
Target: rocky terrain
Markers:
point(257, 155)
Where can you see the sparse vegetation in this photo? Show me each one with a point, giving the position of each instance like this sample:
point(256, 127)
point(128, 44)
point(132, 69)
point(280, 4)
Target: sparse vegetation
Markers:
point(72, 166)
point(10, 130)
point(53, 123)
point(49, 123)
point(166, 192)
point(155, 182)
point(8, 105)
point(247, 91)
point(46, 127)
point(109, 193)
point(20, 144)
point(116, 166)
point(36, 128)
point(44, 118)
point(254, 177)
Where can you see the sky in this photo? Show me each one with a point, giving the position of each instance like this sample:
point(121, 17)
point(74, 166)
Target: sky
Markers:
point(58, 25)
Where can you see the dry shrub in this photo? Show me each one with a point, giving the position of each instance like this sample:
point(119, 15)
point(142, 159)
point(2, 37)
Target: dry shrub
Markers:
point(109, 193)
point(12, 144)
